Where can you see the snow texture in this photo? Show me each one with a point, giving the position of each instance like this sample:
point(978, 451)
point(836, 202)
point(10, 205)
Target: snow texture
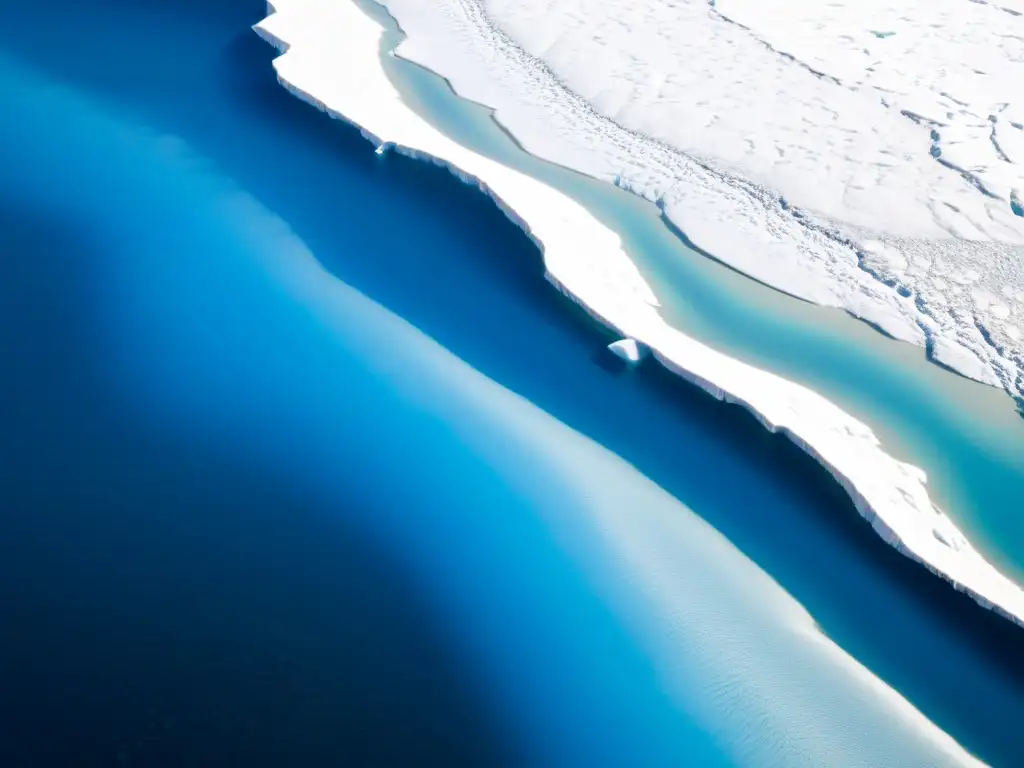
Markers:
point(331, 60)
point(863, 154)
point(737, 656)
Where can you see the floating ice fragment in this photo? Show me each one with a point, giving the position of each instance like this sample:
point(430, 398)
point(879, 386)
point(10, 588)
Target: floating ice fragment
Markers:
point(629, 350)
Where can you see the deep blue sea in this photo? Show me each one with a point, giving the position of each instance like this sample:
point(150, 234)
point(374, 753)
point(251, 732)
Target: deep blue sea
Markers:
point(277, 477)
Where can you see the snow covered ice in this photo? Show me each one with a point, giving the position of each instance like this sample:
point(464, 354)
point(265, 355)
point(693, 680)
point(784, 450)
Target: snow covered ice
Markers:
point(712, 620)
point(862, 154)
point(330, 58)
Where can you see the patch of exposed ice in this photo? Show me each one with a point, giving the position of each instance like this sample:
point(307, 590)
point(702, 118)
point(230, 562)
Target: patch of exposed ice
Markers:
point(781, 137)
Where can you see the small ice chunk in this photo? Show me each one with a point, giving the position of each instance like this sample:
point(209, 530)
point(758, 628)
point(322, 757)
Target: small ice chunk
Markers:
point(629, 350)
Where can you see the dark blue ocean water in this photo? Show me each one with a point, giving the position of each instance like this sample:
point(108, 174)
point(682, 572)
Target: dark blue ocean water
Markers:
point(246, 512)
point(238, 525)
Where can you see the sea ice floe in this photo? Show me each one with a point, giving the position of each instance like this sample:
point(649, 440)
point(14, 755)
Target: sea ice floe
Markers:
point(781, 137)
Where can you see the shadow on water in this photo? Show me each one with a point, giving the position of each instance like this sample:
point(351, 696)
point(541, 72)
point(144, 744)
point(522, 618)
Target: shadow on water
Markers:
point(759, 489)
point(162, 604)
point(473, 281)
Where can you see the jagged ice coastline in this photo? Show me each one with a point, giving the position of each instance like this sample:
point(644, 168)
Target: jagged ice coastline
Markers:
point(330, 58)
point(862, 155)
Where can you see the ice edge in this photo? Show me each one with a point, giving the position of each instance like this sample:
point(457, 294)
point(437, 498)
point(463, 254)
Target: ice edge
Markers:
point(611, 291)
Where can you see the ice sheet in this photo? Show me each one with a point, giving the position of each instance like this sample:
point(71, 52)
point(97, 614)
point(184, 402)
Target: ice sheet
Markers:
point(853, 154)
point(333, 68)
point(735, 653)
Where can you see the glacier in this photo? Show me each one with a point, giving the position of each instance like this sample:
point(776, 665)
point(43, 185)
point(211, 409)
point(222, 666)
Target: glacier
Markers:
point(330, 58)
point(866, 156)
point(737, 655)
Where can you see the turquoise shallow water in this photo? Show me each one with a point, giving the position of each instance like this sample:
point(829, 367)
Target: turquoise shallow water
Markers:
point(250, 515)
point(969, 438)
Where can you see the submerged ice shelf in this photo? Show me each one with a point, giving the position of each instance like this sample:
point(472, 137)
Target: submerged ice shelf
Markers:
point(867, 156)
point(330, 58)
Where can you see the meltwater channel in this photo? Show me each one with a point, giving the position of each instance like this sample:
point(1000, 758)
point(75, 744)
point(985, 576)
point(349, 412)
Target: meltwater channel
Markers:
point(251, 516)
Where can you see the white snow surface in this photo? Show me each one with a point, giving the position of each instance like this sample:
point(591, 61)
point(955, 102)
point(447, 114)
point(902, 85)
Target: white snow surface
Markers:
point(331, 60)
point(863, 154)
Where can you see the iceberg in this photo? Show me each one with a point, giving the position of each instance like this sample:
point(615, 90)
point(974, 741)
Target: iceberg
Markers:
point(628, 350)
